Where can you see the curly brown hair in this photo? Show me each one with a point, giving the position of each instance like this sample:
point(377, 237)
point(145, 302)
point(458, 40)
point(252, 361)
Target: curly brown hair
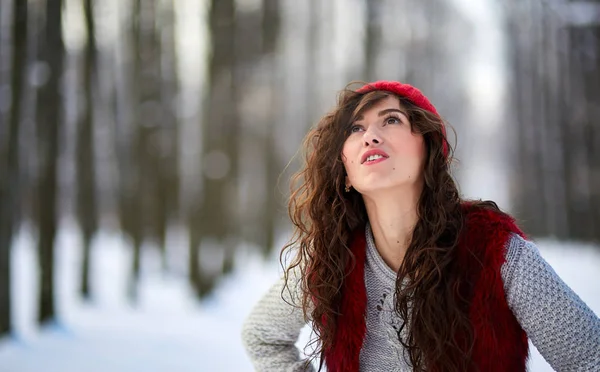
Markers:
point(439, 334)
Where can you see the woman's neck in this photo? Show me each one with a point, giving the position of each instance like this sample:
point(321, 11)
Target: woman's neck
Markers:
point(393, 217)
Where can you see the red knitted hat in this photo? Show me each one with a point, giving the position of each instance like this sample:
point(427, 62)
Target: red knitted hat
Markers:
point(409, 92)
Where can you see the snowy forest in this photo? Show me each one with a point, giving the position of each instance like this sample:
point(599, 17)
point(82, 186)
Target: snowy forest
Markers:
point(170, 128)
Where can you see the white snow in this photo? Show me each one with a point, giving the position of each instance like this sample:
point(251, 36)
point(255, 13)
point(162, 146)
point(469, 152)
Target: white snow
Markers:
point(169, 330)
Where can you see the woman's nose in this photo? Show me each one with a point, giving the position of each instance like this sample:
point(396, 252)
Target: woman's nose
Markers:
point(371, 137)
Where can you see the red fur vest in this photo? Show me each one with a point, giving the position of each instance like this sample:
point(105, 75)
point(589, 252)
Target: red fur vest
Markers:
point(500, 342)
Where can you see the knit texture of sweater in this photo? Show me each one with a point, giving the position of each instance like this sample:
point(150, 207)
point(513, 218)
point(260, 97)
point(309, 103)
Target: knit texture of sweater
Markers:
point(562, 327)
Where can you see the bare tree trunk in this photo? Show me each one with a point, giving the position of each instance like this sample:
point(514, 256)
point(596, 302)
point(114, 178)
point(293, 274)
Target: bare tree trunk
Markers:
point(564, 135)
point(372, 38)
point(48, 120)
point(593, 95)
point(272, 171)
point(271, 30)
point(124, 105)
point(9, 162)
point(86, 177)
point(585, 163)
point(148, 184)
point(556, 82)
point(527, 188)
point(193, 259)
point(169, 164)
point(312, 61)
point(533, 146)
point(271, 26)
point(552, 142)
point(134, 178)
point(212, 217)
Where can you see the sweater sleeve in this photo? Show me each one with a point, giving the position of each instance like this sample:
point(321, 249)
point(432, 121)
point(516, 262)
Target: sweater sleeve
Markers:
point(272, 328)
point(562, 327)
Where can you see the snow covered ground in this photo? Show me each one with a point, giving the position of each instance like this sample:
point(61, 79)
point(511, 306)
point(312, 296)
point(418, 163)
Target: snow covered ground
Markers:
point(169, 330)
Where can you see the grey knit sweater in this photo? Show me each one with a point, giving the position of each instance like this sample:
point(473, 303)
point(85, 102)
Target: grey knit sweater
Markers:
point(560, 325)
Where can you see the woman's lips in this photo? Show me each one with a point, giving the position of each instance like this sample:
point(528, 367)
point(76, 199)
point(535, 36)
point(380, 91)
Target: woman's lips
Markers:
point(372, 162)
point(373, 152)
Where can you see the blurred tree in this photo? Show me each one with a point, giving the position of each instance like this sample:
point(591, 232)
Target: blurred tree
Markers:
point(146, 121)
point(528, 60)
point(555, 78)
point(315, 30)
point(87, 209)
point(9, 160)
point(125, 102)
point(372, 39)
point(49, 118)
point(167, 192)
point(259, 107)
point(271, 26)
point(211, 217)
point(271, 29)
point(583, 131)
point(150, 181)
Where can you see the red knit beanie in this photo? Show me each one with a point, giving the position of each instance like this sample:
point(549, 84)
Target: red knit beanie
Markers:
point(409, 92)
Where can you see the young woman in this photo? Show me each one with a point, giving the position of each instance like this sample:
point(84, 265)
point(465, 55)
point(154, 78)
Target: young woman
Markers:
point(395, 272)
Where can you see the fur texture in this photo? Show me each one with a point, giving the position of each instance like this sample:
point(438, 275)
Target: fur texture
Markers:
point(351, 323)
point(500, 342)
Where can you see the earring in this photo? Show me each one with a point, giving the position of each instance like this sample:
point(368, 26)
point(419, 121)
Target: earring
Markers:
point(347, 188)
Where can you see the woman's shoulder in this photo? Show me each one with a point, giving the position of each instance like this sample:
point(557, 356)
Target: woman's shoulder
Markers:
point(516, 250)
point(487, 221)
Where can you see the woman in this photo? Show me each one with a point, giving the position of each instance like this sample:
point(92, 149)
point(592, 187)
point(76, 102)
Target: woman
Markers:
point(395, 272)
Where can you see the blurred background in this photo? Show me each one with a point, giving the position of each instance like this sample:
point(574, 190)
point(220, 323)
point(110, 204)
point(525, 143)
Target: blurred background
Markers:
point(146, 148)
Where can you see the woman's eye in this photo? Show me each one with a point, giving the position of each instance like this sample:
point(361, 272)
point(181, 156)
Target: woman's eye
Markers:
point(355, 128)
point(392, 120)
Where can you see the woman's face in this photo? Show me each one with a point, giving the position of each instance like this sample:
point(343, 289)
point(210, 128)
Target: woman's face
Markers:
point(381, 152)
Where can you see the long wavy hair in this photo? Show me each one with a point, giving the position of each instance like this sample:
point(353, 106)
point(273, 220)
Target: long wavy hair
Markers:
point(428, 296)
